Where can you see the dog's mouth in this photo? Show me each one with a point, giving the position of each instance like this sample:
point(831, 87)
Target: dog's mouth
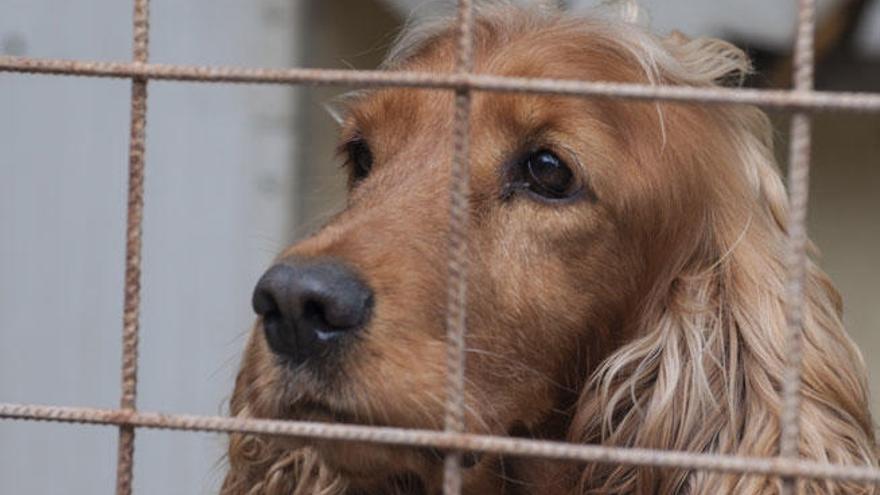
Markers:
point(309, 410)
point(371, 466)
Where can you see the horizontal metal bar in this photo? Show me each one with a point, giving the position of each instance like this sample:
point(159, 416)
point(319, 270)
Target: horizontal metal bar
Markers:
point(447, 441)
point(792, 100)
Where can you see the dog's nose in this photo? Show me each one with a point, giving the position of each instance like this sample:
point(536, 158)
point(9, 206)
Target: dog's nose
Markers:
point(307, 306)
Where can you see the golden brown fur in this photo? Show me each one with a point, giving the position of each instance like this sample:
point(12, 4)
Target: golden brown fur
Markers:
point(648, 313)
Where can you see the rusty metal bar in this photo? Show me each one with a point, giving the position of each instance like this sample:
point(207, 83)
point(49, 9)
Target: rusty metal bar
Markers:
point(812, 101)
point(135, 210)
point(447, 441)
point(459, 216)
point(796, 256)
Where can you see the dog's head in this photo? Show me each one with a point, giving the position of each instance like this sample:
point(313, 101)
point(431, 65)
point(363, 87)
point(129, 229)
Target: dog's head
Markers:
point(590, 219)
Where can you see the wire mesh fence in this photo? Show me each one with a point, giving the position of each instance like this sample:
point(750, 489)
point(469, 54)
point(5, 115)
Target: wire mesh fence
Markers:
point(802, 99)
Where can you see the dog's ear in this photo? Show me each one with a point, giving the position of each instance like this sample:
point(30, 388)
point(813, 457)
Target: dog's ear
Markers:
point(708, 59)
point(705, 371)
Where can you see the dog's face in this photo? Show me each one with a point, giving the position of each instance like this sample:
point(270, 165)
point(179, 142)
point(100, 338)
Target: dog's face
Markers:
point(565, 199)
point(638, 244)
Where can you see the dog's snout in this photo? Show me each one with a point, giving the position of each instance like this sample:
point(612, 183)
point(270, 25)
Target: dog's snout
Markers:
point(307, 306)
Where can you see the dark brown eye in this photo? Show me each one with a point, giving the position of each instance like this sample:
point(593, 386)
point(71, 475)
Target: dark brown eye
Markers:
point(547, 175)
point(360, 158)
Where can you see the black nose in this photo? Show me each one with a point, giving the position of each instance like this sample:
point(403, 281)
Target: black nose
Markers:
point(307, 306)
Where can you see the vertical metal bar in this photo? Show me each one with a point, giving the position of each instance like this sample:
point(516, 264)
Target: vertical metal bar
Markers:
point(456, 313)
point(131, 308)
point(796, 256)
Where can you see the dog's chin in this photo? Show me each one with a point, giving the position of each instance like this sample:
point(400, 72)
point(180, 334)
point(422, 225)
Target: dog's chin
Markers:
point(369, 467)
point(377, 468)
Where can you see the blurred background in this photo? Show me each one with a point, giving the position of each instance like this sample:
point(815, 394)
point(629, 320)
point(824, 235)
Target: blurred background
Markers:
point(235, 173)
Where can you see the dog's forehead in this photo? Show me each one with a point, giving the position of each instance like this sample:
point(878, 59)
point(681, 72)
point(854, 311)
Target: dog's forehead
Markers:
point(512, 49)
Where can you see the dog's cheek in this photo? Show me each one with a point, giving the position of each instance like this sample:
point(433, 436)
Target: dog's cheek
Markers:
point(539, 277)
point(511, 330)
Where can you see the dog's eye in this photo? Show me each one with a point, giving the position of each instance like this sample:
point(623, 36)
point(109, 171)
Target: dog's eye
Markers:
point(547, 175)
point(360, 158)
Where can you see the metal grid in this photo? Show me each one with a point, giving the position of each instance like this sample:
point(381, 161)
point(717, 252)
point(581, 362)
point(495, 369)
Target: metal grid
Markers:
point(802, 99)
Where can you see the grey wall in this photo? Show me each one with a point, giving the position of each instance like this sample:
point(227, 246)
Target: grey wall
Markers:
point(218, 207)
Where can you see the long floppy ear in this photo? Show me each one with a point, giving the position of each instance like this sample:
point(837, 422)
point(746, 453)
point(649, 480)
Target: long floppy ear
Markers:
point(705, 371)
point(263, 465)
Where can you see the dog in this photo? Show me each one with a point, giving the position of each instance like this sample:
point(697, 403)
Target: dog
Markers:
point(626, 281)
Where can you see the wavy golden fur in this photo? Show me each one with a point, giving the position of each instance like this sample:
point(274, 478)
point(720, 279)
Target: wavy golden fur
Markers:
point(647, 313)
